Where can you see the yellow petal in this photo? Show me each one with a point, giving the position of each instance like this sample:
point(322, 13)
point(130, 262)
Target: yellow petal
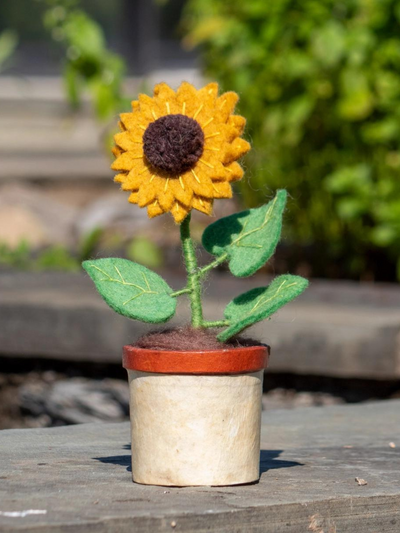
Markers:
point(183, 195)
point(203, 204)
point(154, 210)
point(236, 149)
point(127, 141)
point(132, 181)
point(166, 199)
point(179, 212)
point(127, 160)
point(226, 104)
point(166, 100)
point(149, 190)
point(129, 120)
point(200, 183)
point(133, 198)
point(238, 123)
point(208, 169)
point(117, 151)
point(222, 189)
point(186, 95)
point(234, 172)
point(209, 90)
point(120, 178)
point(149, 108)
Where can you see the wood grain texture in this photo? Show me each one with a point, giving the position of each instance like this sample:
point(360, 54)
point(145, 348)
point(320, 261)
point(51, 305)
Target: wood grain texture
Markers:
point(310, 458)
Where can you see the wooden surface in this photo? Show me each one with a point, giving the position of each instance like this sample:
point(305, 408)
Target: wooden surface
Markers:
point(78, 479)
point(340, 329)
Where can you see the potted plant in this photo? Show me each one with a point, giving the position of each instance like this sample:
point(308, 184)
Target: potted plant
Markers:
point(195, 394)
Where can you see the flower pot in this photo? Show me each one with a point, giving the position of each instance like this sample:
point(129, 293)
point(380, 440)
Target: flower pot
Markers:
point(195, 416)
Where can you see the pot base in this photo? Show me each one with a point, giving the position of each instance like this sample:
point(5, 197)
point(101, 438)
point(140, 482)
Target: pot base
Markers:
point(195, 430)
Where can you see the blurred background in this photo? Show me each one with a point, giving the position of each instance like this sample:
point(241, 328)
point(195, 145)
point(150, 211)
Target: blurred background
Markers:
point(319, 83)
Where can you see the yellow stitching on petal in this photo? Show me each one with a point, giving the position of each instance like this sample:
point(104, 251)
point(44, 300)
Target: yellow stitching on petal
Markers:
point(205, 163)
point(166, 185)
point(212, 135)
point(181, 182)
point(215, 188)
point(168, 108)
point(198, 111)
point(143, 170)
point(223, 103)
point(201, 201)
point(208, 122)
point(213, 149)
point(194, 174)
point(143, 127)
point(184, 108)
point(155, 203)
point(154, 115)
point(229, 169)
point(152, 177)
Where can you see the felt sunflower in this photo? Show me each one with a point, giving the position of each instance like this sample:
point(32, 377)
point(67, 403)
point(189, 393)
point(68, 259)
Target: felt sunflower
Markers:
point(178, 151)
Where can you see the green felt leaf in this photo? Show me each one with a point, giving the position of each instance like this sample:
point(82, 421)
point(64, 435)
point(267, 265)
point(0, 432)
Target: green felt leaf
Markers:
point(131, 289)
point(249, 238)
point(260, 303)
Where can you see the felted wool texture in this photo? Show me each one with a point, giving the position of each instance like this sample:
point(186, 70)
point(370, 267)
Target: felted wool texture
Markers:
point(247, 239)
point(184, 180)
point(260, 303)
point(189, 339)
point(173, 143)
point(131, 289)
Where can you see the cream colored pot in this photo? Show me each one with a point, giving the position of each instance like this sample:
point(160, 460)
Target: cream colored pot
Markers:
point(195, 429)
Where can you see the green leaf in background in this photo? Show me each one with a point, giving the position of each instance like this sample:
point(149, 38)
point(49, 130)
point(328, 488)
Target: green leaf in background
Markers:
point(72, 85)
point(260, 303)
point(132, 290)
point(8, 44)
point(248, 239)
point(145, 251)
point(84, 34)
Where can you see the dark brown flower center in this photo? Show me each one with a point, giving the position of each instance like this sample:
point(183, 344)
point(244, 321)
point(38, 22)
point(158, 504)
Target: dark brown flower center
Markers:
point(173, 143)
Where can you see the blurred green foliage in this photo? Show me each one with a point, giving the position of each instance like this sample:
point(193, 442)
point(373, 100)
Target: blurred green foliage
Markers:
point(96, 243)
point(55, 257)
point(319, 82)
point(89, 64)
point(8, 44)
point(146, 252)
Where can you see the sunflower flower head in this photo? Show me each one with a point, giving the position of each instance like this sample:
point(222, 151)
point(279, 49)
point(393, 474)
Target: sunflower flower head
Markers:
point(178, 151)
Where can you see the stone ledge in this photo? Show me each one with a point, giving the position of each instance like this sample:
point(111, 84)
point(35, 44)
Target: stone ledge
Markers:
point(78, 477)
point(338, 329)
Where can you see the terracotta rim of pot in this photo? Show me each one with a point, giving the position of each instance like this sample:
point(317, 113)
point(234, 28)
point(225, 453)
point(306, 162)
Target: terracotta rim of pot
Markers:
point(241, 360)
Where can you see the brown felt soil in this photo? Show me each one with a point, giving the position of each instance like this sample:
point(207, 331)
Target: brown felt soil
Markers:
point(189, 339)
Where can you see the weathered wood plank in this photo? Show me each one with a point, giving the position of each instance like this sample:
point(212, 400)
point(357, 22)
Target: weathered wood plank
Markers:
point(333, 329)
point(78, 476)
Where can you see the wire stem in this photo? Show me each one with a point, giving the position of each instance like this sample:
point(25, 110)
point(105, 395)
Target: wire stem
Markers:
point(193, 285)
point(186, 290)
point(216, 324)
point(213, 264)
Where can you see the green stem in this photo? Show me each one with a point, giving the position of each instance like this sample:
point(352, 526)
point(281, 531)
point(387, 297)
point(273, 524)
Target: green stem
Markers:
point(216, 324)
point(213, 264)
point(193, 285)
point(182, 291)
